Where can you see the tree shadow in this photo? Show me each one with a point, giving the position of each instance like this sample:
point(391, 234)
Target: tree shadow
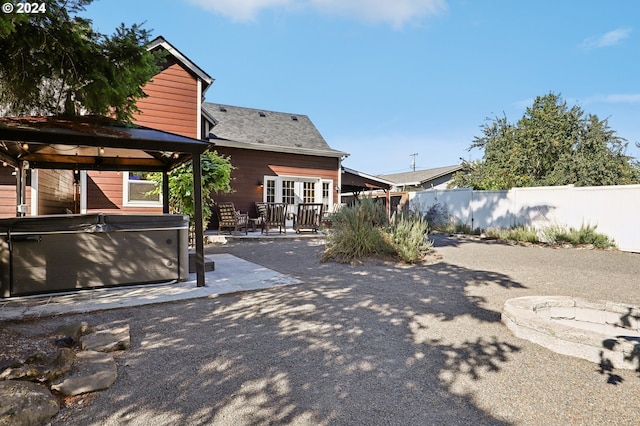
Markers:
point(629, 321)
point(352, 344)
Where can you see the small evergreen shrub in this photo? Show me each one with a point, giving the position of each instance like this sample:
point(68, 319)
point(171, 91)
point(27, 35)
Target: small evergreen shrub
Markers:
point(516, 233)
point(410, 237)
point(363, 230)
point(522, 233)
point(587, 234)
point(358, 231)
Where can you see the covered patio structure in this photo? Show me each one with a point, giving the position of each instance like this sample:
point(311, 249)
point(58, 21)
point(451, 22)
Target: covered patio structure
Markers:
point(100, 143)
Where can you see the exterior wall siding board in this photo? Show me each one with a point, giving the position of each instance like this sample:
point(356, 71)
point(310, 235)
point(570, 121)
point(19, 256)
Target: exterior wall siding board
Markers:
point(56, 191)
point(8, 192)
point(172, 102)
point(105, 194)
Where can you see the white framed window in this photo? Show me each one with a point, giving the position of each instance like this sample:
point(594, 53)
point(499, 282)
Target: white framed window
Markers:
point(139, 191)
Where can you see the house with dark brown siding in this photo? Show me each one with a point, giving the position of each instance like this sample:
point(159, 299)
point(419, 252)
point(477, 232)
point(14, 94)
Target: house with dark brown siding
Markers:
point(173, 104)
point(277, 157)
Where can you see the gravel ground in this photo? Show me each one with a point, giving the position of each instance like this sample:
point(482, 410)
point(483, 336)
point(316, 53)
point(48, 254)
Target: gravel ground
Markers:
point(374, 344)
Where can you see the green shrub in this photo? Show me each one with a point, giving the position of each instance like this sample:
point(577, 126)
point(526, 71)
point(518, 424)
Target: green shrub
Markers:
point(557, 234)
point(410, 237)
point(358, 231)
point(516, 233)
point(363, 230)
point(522, 233)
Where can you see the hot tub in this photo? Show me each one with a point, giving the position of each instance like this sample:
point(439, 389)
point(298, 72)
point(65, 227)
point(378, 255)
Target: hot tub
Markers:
point(46, 254)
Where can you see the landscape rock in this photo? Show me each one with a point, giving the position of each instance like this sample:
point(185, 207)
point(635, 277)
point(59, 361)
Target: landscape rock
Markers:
point(40, 366)
point(73, 330)
point(26, 403)
point(107, 340)
point(92, 371)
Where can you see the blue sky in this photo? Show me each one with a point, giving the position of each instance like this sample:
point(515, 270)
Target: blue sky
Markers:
point(384, 79)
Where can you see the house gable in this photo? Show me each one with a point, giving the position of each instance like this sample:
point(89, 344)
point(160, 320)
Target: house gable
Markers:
point(262, 130)
point(174, 95)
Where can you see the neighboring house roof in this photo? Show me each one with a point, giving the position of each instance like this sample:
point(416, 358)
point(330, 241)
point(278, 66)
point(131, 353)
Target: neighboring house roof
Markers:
point(248, 128)
point(419, 177)
point(354, 181)
point(159, 41)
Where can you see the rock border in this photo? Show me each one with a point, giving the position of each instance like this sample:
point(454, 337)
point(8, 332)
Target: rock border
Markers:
point(26, 383)
point(601, 332)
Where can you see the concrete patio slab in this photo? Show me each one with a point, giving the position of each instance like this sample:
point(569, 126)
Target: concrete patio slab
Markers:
point(232, 275)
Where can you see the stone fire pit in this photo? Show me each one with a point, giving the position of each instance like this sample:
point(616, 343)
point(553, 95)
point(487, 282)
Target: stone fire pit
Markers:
point(601, 332)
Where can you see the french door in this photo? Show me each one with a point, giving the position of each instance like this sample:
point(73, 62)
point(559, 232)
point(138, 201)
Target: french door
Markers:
point(294, 190)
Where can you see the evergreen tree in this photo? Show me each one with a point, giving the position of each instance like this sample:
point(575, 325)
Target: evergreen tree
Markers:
point(55, 63)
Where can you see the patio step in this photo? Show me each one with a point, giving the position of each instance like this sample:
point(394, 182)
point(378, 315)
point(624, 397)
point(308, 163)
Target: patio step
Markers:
point(209, 264)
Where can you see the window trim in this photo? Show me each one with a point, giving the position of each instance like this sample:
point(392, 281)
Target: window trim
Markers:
point(298, 188)
point(137, 203)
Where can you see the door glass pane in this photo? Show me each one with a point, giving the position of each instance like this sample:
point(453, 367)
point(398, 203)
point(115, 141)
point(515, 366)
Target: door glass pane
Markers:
point(288, 193)
point(309, 192)
point(271, 191)
point(325, 195)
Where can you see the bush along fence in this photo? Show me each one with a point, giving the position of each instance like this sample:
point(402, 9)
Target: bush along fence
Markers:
point(550, 211)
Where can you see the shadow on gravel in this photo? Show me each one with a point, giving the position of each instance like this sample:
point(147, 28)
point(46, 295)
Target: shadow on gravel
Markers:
point(372, 344)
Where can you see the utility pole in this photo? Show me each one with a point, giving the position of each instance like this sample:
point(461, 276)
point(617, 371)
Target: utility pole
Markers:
point(413, 161)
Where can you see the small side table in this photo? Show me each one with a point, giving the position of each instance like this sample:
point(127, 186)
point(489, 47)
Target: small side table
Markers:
point(254, 222)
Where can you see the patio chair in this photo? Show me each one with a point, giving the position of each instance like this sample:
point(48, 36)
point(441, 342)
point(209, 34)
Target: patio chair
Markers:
point(228, 217)
point(308, 217)
point(275, 216)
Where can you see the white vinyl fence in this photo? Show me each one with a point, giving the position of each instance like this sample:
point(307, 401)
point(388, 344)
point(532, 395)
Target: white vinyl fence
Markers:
point(614, 209)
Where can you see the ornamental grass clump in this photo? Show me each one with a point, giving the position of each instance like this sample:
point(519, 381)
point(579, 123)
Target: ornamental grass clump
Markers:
point(585, 235)
point(410, 238)
point(358, 231)
point(520, 233)
point(363, 230)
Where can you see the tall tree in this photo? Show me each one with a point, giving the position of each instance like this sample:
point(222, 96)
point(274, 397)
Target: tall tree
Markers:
point(551, 144)
point(55, 63)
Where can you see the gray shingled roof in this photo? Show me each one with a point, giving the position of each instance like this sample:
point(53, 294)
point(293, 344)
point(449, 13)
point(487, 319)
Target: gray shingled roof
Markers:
point(420, 176)
point(266, 130)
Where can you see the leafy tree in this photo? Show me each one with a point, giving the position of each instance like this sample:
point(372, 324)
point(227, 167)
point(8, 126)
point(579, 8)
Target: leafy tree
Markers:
point(216, 178)
point(55, 63)
point(551, 144)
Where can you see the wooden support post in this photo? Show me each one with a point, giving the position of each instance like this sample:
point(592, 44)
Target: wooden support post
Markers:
point(165, 192)
point(199, 225)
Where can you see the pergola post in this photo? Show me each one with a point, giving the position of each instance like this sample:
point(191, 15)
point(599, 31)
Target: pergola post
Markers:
point(199, 226)
point(165, 192)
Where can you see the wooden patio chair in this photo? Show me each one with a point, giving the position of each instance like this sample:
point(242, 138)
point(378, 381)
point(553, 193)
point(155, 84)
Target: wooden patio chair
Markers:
point(275, 216)
point(228, 217)
point(309, 217)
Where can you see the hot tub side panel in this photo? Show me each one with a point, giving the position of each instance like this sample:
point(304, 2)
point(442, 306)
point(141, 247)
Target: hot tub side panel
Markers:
point(57, 262)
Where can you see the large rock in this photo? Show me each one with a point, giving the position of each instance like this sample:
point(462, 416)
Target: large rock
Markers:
point(110, 340)
point(26, 403)
point(73, 330)
point(40, 366)
point(92, 371)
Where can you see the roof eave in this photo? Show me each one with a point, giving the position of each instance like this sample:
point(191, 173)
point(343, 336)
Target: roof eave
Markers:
point(367, 176)
point(276, 148)
point(161, 42)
